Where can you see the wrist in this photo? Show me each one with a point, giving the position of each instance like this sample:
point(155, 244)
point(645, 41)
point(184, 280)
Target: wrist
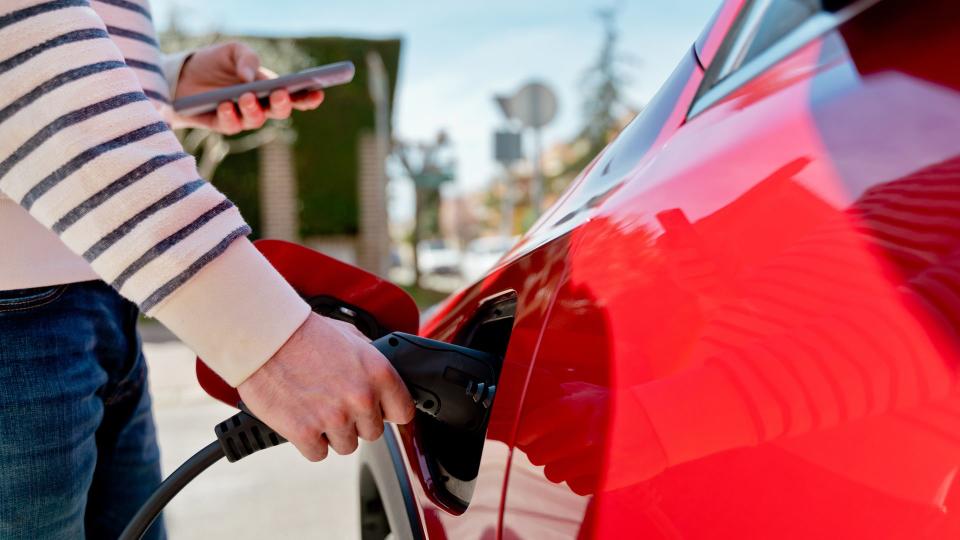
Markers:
point(236, 313)
point(255, 379)
point(173, 67)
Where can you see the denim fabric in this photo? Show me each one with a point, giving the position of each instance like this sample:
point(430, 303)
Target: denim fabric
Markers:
point(78, 450)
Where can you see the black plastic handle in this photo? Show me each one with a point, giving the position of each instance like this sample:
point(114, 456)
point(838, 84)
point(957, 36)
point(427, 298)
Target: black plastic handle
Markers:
point(451, 383)
point(243, 434)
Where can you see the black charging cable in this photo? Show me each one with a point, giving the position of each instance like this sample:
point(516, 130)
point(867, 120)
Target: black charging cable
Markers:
point(237, 437)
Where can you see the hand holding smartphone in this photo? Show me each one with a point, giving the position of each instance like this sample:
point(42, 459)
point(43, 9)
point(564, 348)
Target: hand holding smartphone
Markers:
point(316, 78)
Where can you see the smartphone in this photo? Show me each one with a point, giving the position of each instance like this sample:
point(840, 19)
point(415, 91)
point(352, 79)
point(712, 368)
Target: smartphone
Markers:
point(316, 78)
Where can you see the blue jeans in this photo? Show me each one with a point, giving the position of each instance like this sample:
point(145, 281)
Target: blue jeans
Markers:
point(78, 449)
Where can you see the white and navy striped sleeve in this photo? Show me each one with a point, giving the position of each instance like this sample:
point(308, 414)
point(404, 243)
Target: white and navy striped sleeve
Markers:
point(130, 25)
point(84, 150)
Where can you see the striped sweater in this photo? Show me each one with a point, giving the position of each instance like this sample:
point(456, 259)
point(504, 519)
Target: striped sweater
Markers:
point(95, 185)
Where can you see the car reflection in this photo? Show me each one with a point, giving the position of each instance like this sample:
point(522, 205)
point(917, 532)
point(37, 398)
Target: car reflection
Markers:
point(847, 335)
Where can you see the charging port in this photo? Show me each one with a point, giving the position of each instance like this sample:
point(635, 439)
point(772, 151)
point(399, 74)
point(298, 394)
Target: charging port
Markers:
point(454, 456)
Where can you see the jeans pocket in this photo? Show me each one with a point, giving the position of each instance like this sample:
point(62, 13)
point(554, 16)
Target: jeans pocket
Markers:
point(27, 299)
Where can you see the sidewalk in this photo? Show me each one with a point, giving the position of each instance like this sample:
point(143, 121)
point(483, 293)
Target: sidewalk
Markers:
point(273, 494)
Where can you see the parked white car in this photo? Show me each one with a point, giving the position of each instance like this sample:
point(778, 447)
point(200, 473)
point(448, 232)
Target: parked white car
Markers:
point(438, 256)
point(482, 254)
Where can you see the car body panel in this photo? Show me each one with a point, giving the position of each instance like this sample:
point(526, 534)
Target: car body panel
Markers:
point(739, 323)
point(713, 33)
point(755, 335)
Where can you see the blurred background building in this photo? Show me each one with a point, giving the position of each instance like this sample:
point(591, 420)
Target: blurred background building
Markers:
point(438, 156)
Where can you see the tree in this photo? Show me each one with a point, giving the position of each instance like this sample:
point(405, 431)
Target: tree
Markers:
point(604, 105)
point(429, 165)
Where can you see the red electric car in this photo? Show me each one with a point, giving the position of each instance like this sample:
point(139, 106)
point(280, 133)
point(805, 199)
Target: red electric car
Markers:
point(740, 320)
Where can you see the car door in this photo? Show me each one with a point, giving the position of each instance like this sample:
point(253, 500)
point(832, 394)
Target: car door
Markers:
point(755, 332)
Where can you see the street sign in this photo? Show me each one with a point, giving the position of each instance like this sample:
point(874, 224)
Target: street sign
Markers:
point(507, 146)
point(534, 105)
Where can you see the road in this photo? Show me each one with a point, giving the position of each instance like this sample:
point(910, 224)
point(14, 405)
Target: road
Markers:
point(273, 494)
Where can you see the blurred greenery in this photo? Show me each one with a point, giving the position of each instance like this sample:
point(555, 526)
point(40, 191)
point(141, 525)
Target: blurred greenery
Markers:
point(238, 179)
point(606, 109)
point(424, 298)
point(327, 142)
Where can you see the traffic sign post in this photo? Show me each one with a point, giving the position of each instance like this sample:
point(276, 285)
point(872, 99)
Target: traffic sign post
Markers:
point(533, 106)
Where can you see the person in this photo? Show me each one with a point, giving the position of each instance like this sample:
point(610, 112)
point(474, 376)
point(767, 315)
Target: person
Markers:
point(102, 216)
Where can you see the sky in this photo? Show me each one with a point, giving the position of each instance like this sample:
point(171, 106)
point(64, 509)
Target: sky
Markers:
point(457, 55)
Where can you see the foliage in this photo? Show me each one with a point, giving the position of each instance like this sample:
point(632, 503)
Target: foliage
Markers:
point(605, 109)
point(424, 298)
point(604, 103)
point(238, 179)
point(326, 149)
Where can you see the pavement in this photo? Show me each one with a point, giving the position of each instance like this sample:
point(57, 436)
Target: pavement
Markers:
point(272, 494)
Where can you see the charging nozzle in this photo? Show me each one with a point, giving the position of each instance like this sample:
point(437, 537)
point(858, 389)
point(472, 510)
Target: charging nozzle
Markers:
point(448, 382)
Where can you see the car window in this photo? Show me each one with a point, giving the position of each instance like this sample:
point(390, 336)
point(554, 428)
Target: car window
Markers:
point(766, 31)
point(767, 22)
point(698, 45)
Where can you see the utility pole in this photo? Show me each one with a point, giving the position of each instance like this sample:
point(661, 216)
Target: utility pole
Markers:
point(507, 150)
point(536, 190)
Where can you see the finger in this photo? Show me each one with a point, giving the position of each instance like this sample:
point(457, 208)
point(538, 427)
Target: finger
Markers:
point(394, 396)
point(308, 100)
point(245, 61)
point(264, 73)
point(280, 105)
point(252, 116)
point(209, 120)
point(343, 442)
point(228, 121)
point(370, 425)
point(313, 448)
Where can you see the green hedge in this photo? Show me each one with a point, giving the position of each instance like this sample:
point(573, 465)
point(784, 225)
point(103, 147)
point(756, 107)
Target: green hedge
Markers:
point(326, 146)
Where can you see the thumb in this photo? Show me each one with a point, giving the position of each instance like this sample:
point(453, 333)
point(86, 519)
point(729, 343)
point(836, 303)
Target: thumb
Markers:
point(245, 61)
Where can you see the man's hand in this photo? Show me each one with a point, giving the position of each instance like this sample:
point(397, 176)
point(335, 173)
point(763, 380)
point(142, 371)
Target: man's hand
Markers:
point(326, 386)
point(228, 64)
